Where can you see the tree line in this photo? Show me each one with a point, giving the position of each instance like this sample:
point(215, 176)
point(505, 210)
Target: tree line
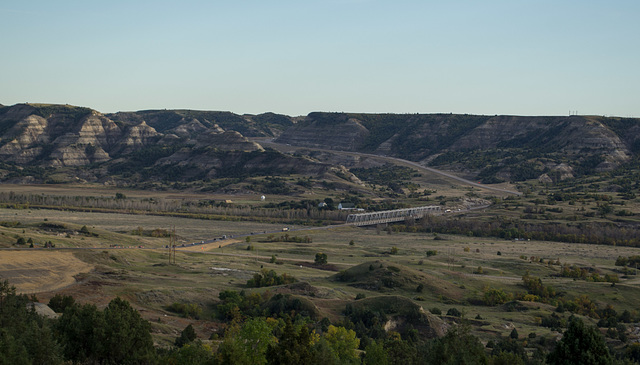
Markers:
point(204, 209)
point(592, 232)
point(264, 329)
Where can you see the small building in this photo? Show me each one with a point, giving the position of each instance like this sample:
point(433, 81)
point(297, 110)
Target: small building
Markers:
point(322, 205)
point(346, 206)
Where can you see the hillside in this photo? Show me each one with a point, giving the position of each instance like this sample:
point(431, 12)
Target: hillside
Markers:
point(185, 123)
point(62, 143)
point(489, 148)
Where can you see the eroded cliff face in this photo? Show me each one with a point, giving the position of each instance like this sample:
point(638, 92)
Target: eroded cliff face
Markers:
point(201, 144)
point(67, 136)
point(346, 134)
point(571, 137)
point(61, 136)
point(506, 147)
point(88, 145)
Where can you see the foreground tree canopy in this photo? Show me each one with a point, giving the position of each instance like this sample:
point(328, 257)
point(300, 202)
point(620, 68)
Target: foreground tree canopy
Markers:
point(84, 334)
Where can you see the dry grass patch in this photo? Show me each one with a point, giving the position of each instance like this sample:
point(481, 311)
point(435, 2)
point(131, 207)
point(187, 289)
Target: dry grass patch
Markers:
point(40, 271)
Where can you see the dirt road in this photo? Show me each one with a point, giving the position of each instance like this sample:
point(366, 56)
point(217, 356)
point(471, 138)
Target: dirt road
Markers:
point(416, 165)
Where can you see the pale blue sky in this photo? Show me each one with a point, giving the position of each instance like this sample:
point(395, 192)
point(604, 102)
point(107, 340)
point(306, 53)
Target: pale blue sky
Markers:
point(294, 57)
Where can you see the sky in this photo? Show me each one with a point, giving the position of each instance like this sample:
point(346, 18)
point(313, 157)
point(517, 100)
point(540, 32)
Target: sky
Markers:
point(298, 56)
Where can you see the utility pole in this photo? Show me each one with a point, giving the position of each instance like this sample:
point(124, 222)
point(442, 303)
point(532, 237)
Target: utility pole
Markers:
point(172, 246)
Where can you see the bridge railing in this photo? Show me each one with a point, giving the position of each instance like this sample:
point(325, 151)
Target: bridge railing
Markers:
point(387, 216)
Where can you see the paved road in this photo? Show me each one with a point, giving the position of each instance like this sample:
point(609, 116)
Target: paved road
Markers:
point(394, 159)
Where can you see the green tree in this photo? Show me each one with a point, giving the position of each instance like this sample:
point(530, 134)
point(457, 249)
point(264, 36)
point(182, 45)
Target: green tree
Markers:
point(255, 337)
point(127, 335)
point(25, 336)
point(458, 346)
point(344, 343)
point(81, 331)
point(11, 350)
point(323, 353)
point(193, 353)
point(493, 296)
point(58, 303)
point(187, 335)
point(398, 350)
point(321, 258)
point(293, 346)
point(375, 354)
point(580, 345)
point(247, 344)
point(509, 346)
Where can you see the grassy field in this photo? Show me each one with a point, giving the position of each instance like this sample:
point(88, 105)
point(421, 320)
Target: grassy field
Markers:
point(144, 276)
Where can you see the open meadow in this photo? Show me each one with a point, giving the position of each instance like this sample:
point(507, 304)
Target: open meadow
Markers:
point(436, 272)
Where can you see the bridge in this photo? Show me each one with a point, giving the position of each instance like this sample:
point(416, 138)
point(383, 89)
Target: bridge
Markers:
point(388, 216)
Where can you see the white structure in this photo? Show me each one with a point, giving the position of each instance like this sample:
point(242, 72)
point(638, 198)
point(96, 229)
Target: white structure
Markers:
point(346, 206)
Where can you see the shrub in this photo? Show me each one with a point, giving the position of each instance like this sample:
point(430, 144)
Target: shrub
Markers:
point(188, 310)
point(494, 296)
point(269, 278)
point(454, 312)
point(59, 302)
point(321, 258)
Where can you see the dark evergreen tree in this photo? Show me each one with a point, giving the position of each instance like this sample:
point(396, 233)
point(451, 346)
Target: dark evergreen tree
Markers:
point(187, 335)
point(458, 346)
point(81, 331)
point(580, 345)
point(293, 347)
point(25, 336)
point(127, 335)
point(60, 302)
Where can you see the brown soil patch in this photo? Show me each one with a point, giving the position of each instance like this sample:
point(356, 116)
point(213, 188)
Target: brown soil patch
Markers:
point(207, 246)
point(40, 271)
